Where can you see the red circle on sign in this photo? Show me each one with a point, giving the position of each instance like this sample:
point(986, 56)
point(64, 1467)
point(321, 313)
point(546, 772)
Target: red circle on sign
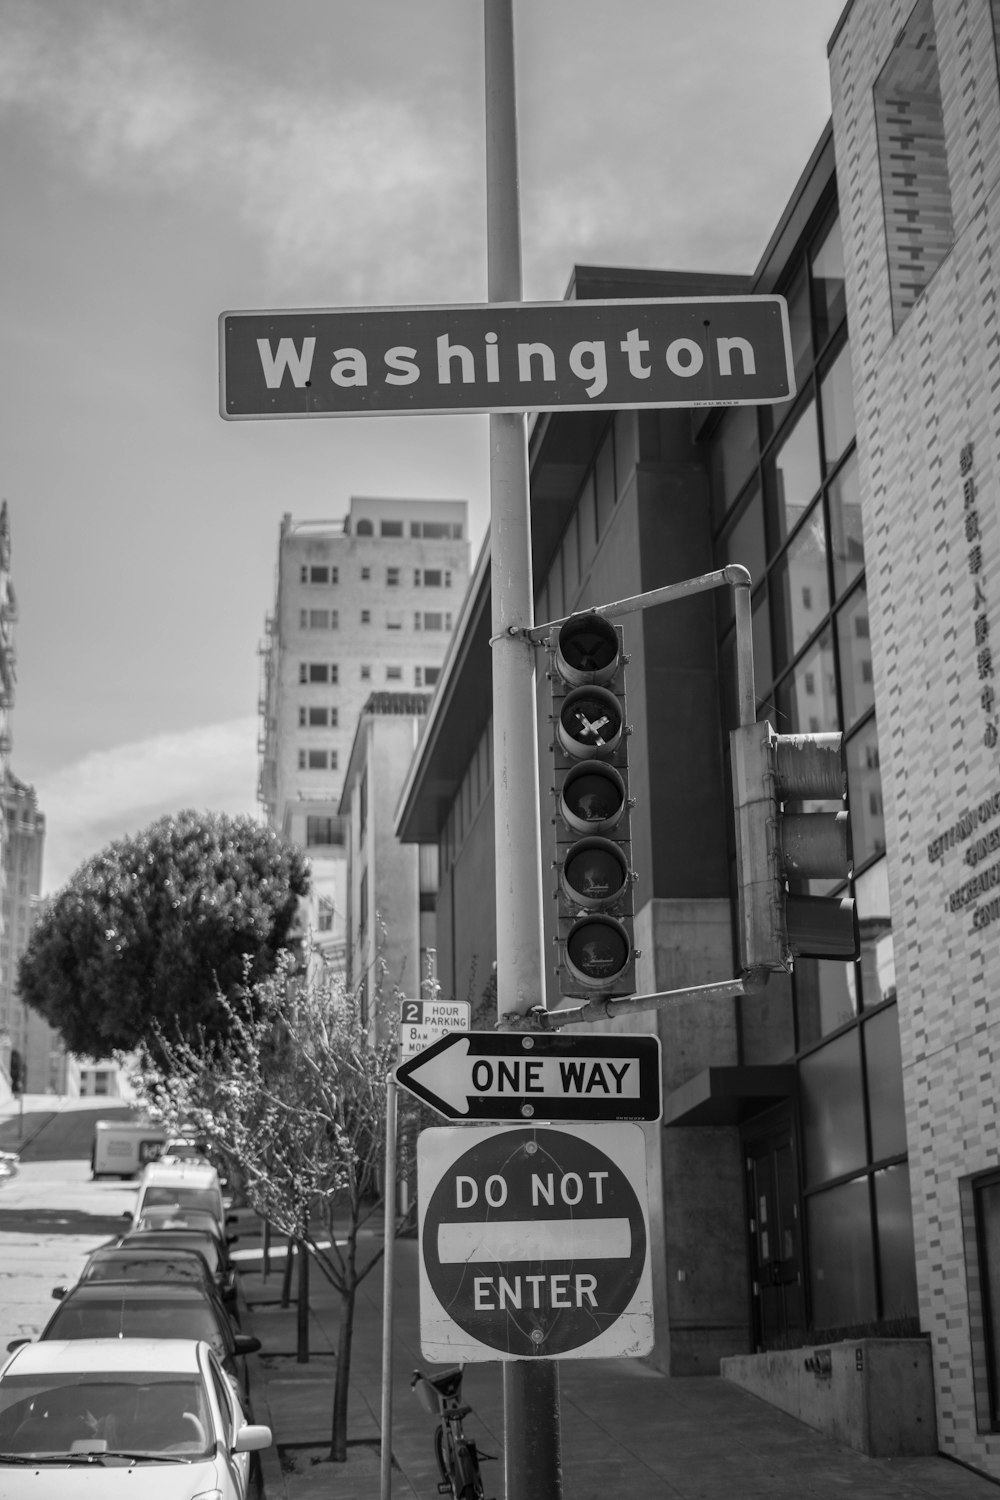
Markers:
point(534, 1242)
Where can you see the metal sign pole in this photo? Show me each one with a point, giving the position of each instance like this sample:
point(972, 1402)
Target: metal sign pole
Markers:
point(388, 1269)
point(532, 1454)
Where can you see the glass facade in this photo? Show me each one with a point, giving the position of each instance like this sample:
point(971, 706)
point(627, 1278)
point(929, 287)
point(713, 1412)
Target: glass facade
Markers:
point(786, 505)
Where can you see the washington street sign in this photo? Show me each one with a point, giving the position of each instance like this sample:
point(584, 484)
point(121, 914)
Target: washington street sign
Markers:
point(496, 357)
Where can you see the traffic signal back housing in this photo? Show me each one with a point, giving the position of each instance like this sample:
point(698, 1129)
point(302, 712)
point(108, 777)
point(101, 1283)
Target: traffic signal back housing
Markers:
point(778, 840)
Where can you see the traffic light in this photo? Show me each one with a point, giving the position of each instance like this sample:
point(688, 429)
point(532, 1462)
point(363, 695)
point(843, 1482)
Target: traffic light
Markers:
point(778, 839)
point(593, 837)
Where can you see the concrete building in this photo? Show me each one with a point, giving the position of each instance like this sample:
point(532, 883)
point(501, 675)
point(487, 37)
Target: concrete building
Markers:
point(828, 1158)
point(365, 604)
point(392, 887)
point(43, 1055)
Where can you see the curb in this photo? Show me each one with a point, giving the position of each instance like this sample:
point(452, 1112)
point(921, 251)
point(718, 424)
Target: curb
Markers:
point(272, 1478)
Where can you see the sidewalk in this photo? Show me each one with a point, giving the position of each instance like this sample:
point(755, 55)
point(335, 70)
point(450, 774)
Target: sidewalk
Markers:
point(626, 1430)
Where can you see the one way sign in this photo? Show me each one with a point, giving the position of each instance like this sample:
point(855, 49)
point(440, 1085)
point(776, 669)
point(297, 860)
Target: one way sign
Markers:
point(484, 1075)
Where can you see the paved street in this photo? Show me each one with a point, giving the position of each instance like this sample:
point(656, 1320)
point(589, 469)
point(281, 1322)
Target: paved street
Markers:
point(625, 1428)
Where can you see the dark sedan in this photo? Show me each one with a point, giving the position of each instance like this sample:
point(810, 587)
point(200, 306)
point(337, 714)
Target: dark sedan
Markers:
point(140, 1263)
point(211, 1246)
point(151, 1310)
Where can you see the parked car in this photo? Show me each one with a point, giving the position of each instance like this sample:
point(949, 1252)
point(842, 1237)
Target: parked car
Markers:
point(181, 1186)
point(174, 1216)
point(210, 1244)
point(151, 1310)
point(140, 1263)
point(81, 1417)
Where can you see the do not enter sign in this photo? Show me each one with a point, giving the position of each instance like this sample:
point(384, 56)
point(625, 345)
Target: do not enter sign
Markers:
point(534, 1243)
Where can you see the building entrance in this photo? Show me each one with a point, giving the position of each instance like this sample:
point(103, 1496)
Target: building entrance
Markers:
point(775, 1235)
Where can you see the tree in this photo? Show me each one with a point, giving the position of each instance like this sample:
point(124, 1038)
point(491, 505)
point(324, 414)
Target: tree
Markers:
point(150, 934)
point(296, 1106)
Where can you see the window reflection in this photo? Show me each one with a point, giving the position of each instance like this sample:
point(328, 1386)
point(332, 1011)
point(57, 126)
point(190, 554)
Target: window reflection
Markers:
point(884, 1068)
point(842, 1263)
point(846, 542)
point(743, 543)
point(857, 682)
point(735, 452)
point(836, 399)
point(833, 1122)
point(896, 1258)
point(807, 698)
point(793, 475)
point(864, 794)
point(829, 302)
point(800, 590)
point(826, 997)
point(878, 961)
point(800, 324)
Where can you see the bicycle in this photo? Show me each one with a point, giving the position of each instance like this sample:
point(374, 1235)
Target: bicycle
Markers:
point(457, 1455)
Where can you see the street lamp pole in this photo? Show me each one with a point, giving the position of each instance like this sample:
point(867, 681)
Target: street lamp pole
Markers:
point(532, 1453)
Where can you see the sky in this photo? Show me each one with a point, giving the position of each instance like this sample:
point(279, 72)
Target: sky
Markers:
point(164, 161)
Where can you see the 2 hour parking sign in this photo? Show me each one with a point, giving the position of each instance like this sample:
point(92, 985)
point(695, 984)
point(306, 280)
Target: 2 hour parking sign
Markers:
point(534, 1242)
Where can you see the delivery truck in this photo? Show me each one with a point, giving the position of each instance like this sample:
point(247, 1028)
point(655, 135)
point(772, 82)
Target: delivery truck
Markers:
point(124, 1147)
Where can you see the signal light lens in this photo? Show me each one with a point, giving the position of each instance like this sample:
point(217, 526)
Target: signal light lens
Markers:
point(590, 723)
point(598, 950)
point(595, 874)
point(592, 798)
point(587, 650)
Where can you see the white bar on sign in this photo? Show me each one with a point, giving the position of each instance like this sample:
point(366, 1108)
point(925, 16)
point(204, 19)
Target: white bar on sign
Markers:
point(529, 1239)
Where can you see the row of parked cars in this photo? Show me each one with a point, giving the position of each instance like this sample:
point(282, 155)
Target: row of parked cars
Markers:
point(143, 1363)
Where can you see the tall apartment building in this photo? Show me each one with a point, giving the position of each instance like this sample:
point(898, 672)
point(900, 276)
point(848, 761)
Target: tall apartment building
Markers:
point(22, 837)
point(362, 605)
point(43, 1055)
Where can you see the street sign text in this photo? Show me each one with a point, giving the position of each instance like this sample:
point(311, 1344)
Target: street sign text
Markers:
point(532, 356)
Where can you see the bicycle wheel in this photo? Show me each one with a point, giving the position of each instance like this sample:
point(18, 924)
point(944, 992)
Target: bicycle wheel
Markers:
point(442, 1455)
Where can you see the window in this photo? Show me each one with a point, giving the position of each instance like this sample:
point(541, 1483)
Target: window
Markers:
point(366, 574)
point(981, 1217)
point(391, 528)
point(793, 475)
point(432, 578)
point(311, 717)
point(437, 531)
point(431, 620)
point(324, 831)
point(318, 619)
point(393, 674)
point(365, 528)
point(318, 671)
point(366, 672)
point(392, 578)
point(312, 574)
point(366, 617)
point(426, 676)
point(829, 301)
point(317, 760)
point(394, 619)
point(836, 399)
point(913, 161)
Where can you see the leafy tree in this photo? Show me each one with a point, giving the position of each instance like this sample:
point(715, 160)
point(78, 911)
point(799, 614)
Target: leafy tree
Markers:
point(150, 933)
point(296, 1104)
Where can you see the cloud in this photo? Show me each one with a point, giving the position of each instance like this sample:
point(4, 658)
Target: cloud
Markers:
point(111, 794)
point(318, 178)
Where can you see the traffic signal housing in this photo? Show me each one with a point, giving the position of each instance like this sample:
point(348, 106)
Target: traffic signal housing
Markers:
point(780, 838)
point(593, 836)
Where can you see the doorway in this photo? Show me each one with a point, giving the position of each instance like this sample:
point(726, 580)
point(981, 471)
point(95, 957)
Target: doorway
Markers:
point(775, 1233)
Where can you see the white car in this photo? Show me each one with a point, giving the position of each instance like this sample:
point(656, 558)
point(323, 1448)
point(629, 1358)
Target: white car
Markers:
point(92, 1419)
point(180, 1186)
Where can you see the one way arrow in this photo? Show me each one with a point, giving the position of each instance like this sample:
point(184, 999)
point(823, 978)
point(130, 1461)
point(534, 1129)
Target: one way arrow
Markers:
point(490, 1076)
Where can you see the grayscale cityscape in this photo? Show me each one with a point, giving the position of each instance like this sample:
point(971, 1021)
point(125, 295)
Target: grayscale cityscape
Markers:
point(500, 750)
